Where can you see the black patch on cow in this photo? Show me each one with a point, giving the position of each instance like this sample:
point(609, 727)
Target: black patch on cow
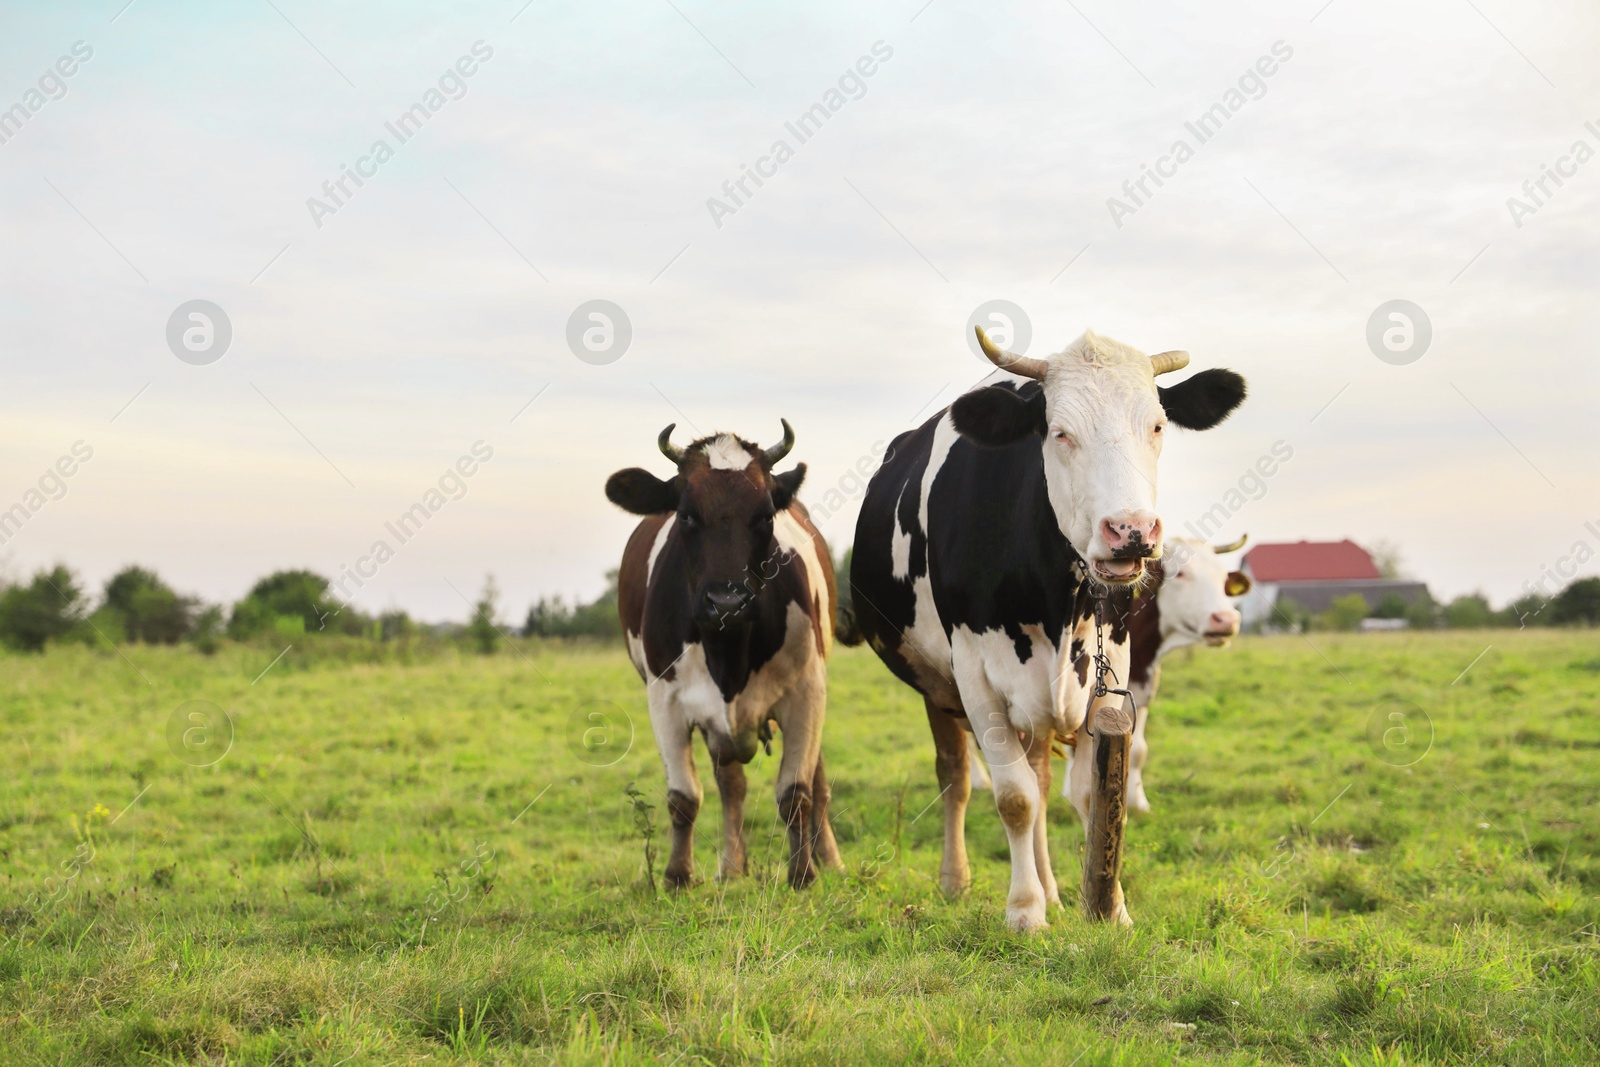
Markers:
point(1203, 401)
point(997, 557)
point(786, 485)
point(637, 490)
point(999, 415)
point(1020, 641)
point(993, 552)
point(884, 605)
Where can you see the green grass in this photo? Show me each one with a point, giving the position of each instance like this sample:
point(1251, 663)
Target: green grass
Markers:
point(325, 893)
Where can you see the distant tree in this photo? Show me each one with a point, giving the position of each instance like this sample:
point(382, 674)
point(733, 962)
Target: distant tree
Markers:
point(1386, 557)
point(1530, 610)
point(1578, 603)
point(276, 602)
point(1392, 606)
point(208, 627)
point(1345, 613)
point(553, 617)
point(1422, 612)
point(393, 625)
point(47, 607)
point(1468, 612)
point(1287, 612)
point(482, 629)
point(149, 609)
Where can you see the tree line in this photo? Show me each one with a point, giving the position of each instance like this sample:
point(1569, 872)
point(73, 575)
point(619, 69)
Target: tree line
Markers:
point(136, 605)
point(1576, 605)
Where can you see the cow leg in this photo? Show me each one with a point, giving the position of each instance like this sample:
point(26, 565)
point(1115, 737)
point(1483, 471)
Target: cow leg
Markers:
point(799, 714)
point(1016, 796)
point(732, 787)
point(823, 846)
point(1039, 760)
point(683, 784)
point(951, 761)
point(980, 772)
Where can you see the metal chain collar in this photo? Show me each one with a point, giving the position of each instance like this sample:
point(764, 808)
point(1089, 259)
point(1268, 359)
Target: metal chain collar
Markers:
point(1102, 667)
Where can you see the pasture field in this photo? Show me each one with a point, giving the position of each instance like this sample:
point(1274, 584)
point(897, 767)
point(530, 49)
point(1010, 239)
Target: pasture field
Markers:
point(419, 862)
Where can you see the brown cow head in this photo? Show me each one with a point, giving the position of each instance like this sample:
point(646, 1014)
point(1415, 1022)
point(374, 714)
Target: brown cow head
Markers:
point(725, 497)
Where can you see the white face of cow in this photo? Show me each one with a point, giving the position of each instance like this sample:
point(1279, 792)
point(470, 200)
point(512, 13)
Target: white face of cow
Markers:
point(1104, 428)
point(1101, 421)
point(1196, 594)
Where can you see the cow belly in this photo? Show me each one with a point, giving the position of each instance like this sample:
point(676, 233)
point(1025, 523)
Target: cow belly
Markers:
point(696, 699)
point(775, 678)
point(1035, 694)
point(926, 649)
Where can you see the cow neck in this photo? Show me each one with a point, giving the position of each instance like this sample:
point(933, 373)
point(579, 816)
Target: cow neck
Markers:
point(733, 654)
point(727, 653)
point(1053, 544)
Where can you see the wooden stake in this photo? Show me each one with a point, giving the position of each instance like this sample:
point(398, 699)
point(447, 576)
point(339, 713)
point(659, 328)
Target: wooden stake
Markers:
point(1110, 752)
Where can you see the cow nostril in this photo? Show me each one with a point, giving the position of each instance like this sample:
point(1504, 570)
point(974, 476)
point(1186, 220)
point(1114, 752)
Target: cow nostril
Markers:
point(726, 601)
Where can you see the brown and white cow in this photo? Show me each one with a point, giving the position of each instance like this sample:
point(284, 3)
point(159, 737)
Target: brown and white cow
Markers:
point(727, 601)
point(1187, 599)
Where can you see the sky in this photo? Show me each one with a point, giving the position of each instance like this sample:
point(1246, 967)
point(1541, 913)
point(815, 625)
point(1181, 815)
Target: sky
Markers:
point(381, 333)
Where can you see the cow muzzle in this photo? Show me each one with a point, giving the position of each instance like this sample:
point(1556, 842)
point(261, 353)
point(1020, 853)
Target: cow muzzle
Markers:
point(723, 605)
point(1130, 539)
point(1221, 626)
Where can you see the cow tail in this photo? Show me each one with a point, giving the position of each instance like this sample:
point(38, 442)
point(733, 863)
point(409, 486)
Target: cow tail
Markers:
point(846, 630)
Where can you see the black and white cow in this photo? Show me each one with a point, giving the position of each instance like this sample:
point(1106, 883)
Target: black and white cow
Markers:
point(983, 544)
point(727, 601)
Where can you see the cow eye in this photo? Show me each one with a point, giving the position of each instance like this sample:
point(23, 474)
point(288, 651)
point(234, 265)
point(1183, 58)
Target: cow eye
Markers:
point(1063, 436)
point(1159, 427)
point(689, 521)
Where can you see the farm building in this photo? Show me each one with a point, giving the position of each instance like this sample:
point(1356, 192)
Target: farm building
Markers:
point(1314, 574)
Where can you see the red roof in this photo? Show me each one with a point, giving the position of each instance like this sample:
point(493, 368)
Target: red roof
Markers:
point(1310, 561)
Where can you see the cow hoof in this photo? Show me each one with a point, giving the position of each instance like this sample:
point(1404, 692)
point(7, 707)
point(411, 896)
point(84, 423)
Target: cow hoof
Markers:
point(1138, 804)
point(678, 879)
point(1026, 914)
point(955, 886)
point(1027, 918)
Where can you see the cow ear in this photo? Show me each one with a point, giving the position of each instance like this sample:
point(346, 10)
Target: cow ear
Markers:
point(996, 415)
point(1236, 584)
point(639, 491)
point(786, 485)
point(1200, 402)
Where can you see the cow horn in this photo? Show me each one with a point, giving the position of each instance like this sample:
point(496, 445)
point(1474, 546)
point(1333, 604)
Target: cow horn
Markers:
point(1164, 362)
point(1010, 361)
point(773, 455)
point(1234, 547)
point(668, 449)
